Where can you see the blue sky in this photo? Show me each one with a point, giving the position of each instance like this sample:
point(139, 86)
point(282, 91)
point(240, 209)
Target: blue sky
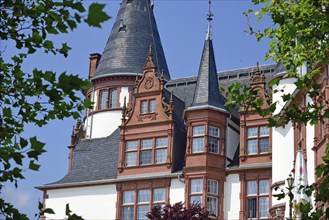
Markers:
point(182, 25)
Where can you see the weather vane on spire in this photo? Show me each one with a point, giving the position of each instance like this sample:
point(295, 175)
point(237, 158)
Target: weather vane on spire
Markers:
point(209, 18)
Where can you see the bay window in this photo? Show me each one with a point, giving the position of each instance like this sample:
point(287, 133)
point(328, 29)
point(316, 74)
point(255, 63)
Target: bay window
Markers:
point(198, 139)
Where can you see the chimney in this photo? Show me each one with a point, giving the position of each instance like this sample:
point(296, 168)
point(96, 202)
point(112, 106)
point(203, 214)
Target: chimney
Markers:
point(93, 63)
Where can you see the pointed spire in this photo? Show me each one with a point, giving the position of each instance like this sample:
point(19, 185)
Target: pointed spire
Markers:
point(133, 31)
point(209, 18)
point(207, 89)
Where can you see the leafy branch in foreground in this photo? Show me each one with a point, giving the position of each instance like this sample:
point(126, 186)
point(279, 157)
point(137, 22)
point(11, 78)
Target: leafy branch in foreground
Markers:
point(39, 96)
point(299, 40)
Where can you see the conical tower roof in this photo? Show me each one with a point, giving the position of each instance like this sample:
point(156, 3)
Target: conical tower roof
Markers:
point(133, 32)
point(207, 89)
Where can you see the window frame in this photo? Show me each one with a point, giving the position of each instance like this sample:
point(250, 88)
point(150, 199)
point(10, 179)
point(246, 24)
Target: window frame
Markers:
point(109, 104)
point(205, 193)
point(137, 203)
point(151, 148)
point(148, 109)
point(257, 140)
point(257, 197)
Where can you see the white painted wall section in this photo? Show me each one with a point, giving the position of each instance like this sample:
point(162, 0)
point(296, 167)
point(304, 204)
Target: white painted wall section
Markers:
point(310, 153)
point(124, 93)
point(177, 191)
point(232, 197)
point(288, 87)
point(95, 202)
point(282, 155)
point(103, 123)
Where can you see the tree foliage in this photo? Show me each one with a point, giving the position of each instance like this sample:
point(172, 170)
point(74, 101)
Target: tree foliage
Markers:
point(39, 96)
point(177, 211)
point(299, 37)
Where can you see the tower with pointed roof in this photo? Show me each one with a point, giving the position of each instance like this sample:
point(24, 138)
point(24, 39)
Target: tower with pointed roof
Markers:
point(113, 73)
point(206, 131)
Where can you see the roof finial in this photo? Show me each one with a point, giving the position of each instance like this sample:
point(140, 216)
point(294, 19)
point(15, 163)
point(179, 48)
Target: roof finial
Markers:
point(209, 18)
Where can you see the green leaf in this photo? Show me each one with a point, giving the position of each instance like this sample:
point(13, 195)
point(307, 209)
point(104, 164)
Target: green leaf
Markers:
point(23, 142)
point(96, 15)
point(34, 166)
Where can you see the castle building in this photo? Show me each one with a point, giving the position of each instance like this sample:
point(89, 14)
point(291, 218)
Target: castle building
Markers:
point(150, 139)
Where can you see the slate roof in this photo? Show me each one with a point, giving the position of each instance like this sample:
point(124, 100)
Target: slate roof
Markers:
point(207, 90)
point(94, 159)
point(184, 88)
point(133, 32)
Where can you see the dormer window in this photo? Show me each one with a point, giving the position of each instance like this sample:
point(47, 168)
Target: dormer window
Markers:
point(146, 151)
point(148, 106)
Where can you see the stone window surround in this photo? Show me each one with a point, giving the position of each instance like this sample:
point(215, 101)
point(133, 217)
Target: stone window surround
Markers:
point(154, 148)
point(253, 175)
point(206, 137)
point(258, 138)
point(108, 89)
point(204, 193)
point(141, 185)
point(148, 108)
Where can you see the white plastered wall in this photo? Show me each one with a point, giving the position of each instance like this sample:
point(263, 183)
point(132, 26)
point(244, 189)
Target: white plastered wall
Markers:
point(282, 155)
point(177, 191)
point(288, 87)
point(232, 197)
point(310, 153)
point(102, 124)
point(232, 140)
point(94, 202)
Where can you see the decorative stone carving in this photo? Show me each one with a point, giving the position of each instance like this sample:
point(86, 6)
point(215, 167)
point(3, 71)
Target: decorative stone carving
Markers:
point(152, 116)
point(149, 82)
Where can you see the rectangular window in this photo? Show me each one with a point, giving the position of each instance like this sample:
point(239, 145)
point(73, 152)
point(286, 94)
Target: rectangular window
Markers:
point(128, 205)
point(128, 197)
point(251, 208)
point(143, 202)
point(131, 159)
point(257, 199)
point(252, 146)
point(152, 105)
point(258, 140)
point(159, 195)
point(113, 98)
point(251, 188)
point(196, 185)
point(143, 107)
point(214, 132)
point(103, 99)
point(145, 157)
point(160, 156)
point(212, 187)
point(212, 205)
point(127, 212)
point(162, 142)
point(198, 130)
point(131, 145)
point(263, 207)
point(142, 210)
point(146, 144)
point(197, 145)
point(213, 145)
point(144, 195)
